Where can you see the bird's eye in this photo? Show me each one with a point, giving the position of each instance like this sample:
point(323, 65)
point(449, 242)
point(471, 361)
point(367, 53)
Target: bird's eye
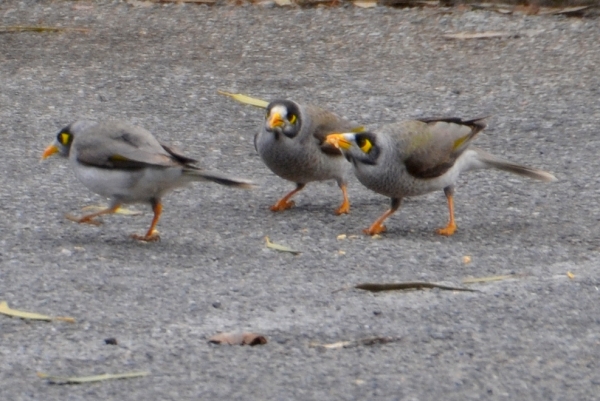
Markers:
point(364, 144)
point(293, 119)
point(64, 138)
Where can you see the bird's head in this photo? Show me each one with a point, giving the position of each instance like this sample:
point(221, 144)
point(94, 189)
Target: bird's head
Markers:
point(357, 147)
point(61, 144)
point(283, 117)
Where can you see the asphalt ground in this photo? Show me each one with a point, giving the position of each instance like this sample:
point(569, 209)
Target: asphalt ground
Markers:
point(535, 336)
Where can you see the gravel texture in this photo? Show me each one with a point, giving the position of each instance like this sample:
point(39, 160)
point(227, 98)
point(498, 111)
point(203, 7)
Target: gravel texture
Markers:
point(535, 337)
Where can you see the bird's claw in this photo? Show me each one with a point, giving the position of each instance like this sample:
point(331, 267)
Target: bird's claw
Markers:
point(154, 237)
point(375, 229)
point(447, 231)
point(282, 205)
point(84, 219)
point(343, 209)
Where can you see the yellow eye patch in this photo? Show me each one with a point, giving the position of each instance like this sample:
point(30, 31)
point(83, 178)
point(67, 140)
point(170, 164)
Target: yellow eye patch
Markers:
point(64, 138)
point(364, 144)
point(293, 119)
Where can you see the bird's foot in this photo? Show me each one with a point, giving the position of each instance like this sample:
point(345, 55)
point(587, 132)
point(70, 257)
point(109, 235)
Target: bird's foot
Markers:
point(376, 228)
point(84, 219)
point(152, 237)
point(447, 231)
point(282, 205)
point(343, 209)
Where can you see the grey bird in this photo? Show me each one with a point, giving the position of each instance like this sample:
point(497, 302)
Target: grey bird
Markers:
point(292, 144)
point(415, 157)
point(127, 164)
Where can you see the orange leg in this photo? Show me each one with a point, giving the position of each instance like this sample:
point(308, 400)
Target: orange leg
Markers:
point(152, 234)
point(378, 227)
point(345, 207)
point(451, 227)
point(89, 219)
point(284, 203)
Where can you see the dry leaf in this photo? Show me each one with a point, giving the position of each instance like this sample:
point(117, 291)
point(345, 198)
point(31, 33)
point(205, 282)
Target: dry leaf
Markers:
point(563, 10)
point(491, 278)
point(280, 248)
point(90, 379)
point(120, 210)
point(187, 1)
point(137, 3)
point(409, 285)
point(25, 28)
point(355, 343)
point(479, 35)
point(245, 99)
point(365, 4)
point(529, 9)
point(4, 309)
point(238, 339)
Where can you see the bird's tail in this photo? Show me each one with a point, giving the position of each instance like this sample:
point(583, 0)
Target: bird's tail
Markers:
point(490, 161)
point(220, 178)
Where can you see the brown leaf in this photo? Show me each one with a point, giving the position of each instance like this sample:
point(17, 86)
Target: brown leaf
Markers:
point(480, 35)
point(409, 285)
point(354, 343)
point(576, 10)
point(35, 28)
point(238, 339)
point(365, 4)
point(491, 278)
point(529, 9)
point(90, 379)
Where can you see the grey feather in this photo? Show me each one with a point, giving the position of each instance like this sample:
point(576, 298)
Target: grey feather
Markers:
point(492, 161)
point(215, 176)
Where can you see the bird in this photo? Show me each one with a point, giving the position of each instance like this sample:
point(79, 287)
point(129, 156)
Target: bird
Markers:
point(127, 164)
point(292, 144)
point(415, 157)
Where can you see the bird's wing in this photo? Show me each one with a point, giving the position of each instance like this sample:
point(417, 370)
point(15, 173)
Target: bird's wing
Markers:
point(429, 147)
point(117, 145)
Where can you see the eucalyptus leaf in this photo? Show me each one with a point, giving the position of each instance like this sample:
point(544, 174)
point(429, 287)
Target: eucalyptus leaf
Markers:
point(245, 99)
point(90, 379)
point(280, 248)
point(409, 285)
point(4, 309)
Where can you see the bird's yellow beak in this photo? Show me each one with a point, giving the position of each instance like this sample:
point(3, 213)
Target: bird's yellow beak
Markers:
point(275, 120)
point(339, 141)
point(50, 150)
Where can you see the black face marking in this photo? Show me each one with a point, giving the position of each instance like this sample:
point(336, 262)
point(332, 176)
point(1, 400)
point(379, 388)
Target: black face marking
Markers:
point(371, 157)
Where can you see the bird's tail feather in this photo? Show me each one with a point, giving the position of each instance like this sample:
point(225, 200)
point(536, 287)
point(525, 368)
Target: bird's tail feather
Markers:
point(490, 160)
point(219, 178)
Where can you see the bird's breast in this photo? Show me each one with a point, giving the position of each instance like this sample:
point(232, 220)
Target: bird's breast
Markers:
point(297, 161)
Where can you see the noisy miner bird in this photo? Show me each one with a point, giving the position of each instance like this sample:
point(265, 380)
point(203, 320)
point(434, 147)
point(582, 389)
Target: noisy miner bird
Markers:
point(419, 156)
point(292, 144)
point(127, 164)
